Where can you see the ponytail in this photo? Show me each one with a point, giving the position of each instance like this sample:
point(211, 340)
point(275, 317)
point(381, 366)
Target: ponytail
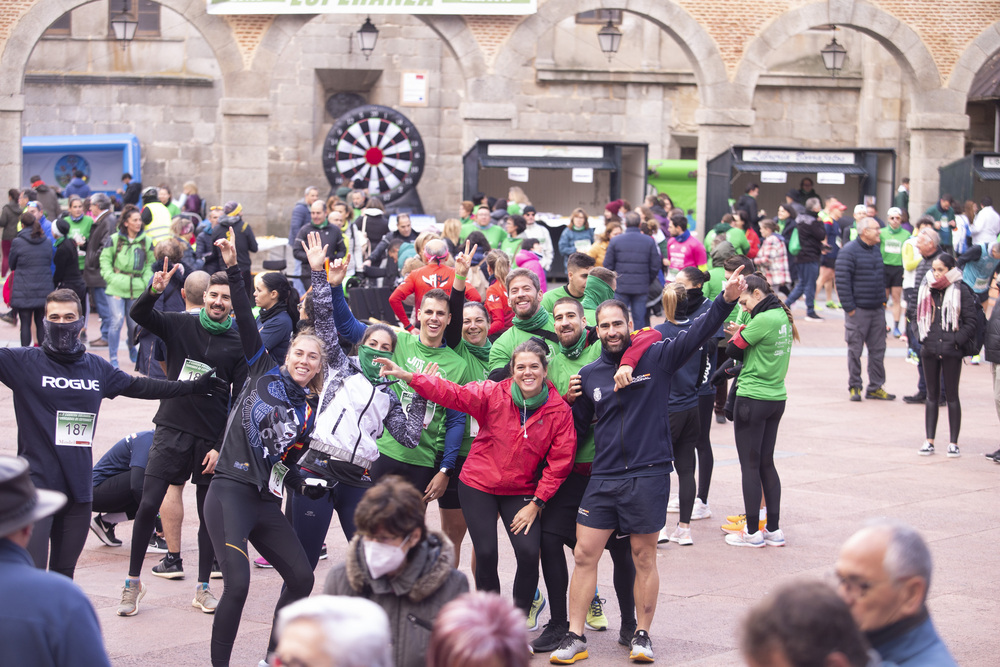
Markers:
point(276, 282)
point(673, 296)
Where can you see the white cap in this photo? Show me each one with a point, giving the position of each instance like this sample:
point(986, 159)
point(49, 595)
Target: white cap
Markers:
point(894, 211)
point(860, 208)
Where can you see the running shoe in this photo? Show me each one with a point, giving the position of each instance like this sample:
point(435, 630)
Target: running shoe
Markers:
point(740, 523)
point(745, 539)
point(674, 506)
point(551, 637)
point(322, 552)
point(626, 633)
point(855, 395)
point(133, 591)
point(261, 562)
point(832, 305)
point(642, 647)
point(682, 536)
point(664, 536)
point(537, 605)
point(775, 539)
point(896, 332)
point(572, 648)
point(204, 599)
point(813, 317)
point(216, 570)
point(927, 449)
point(918, 398)
point(105, 531)
point(157, 545)
point(879, 394)
point(170, 567)
point(720, 418)
point(912, 357)
point(993, 456)
point(596, 620)
point(700, 510)
point(953, 451)
point(9, 317)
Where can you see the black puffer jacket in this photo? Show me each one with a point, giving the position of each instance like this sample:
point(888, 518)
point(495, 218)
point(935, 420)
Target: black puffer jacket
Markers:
point(636, 259)
point(941, 343)
point(991, 348)
point(31, 260)
point(860, 276)
point(812, 233)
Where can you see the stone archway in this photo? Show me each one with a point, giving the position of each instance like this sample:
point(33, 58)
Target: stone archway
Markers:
point(973, 58)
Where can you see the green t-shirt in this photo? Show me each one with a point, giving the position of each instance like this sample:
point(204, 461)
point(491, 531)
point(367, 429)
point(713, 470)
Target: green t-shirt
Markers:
point(549, 298)
point(503, 347)
point(81, 227)
point(892, 245)
point(737, 237)
point(561, 369)
point(765, 362)
point(512, 245)
point(467, 228)
point(495, 234)
point(478, 369)
point(412, 355)
point(713, 287)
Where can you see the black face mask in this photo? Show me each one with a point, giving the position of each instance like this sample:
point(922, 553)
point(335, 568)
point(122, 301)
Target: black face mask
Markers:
point(63, 337)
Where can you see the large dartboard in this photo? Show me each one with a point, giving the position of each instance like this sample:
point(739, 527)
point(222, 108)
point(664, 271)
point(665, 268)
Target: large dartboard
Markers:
point(377, 145)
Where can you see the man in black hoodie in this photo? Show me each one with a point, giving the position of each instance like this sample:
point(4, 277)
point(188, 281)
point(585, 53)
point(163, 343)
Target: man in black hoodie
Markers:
point(812, 235)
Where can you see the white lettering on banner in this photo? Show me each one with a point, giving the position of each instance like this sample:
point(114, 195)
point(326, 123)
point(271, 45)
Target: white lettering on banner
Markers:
point(68, 383)
point(773, 177)
point(991, 162)
point(802, 157)
point(830, 178)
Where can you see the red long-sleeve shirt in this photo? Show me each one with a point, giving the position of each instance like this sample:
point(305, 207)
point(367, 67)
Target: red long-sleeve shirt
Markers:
point(421, 281)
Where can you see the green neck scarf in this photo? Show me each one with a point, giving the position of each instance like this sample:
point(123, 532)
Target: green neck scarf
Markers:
point(480, 352)
point(366, 359)
point(574, 351)
point(532, 403)
point(211, 326)
point(595, 293)
point(535, 322)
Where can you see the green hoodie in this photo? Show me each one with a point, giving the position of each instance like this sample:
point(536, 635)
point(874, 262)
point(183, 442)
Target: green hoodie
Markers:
point(595, 293)
point(127, 266)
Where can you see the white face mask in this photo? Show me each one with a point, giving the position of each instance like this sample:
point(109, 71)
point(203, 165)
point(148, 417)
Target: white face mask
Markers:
point(382, 558)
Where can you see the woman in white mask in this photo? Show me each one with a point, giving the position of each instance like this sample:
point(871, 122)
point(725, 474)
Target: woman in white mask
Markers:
point(397, 563)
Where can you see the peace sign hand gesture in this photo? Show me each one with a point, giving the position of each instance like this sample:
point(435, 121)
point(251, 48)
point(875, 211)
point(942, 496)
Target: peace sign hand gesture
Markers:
point(463, 260)
point(735, 286)
point(162, 278)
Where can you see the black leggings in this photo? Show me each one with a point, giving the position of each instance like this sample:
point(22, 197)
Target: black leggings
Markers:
point(67, 529)
point(311, 518)
point(722, 391)
point(120, 493)
point(154, 490)
point(236, 513)
point(480, 511)
point(706, 459)
point(756, 429)
point(25, 315)
point(684, 434)
point(948, 370)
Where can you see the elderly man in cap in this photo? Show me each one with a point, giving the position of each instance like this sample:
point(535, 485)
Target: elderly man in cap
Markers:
point(883, 574)
point(45, 618)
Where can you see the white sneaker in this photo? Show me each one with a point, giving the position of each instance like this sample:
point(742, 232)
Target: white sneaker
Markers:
point(674, 506)
point(743, 539)
point(927, 449)
point(682, 536)
point(775, 539)
point(664, 536)
point(953, 451)
point(700, 510)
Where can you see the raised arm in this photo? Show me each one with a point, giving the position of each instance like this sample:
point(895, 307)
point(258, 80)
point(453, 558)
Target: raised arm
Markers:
point(249, 336)
point(456, 300)
point(323, 321)
point(405, 428)
point(348, 326)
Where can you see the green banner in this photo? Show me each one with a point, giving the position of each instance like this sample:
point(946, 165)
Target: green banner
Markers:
point(456, 7)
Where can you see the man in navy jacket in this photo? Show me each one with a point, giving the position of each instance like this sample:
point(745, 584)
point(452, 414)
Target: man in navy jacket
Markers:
point(860, 277)
point(630, 478)
point(636, 259)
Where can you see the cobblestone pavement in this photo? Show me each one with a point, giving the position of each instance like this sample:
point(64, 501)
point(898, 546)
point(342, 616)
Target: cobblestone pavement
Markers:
point(841, 463)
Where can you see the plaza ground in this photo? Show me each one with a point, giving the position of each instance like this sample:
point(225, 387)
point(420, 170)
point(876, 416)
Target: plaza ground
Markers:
point(841, 464)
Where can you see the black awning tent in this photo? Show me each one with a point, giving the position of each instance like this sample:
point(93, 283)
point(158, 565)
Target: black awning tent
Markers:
point(972, 177)
point(852, 175)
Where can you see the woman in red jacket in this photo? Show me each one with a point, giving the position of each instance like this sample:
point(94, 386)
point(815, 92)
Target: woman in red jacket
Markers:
point(524, 450)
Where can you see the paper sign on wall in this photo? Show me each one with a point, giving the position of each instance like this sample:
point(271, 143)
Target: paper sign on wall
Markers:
point(583, 175)
point(517, 174)
point(830, 178)
point(413, 89)
point(774, 177)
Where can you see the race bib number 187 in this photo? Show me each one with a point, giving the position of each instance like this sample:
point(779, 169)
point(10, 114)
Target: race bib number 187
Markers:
point(75, 429)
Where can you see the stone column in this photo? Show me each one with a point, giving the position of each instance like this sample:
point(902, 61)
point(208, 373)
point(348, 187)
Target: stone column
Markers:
point(11, 109)
point(244, 158)
point(936, 139)
point(718, 129)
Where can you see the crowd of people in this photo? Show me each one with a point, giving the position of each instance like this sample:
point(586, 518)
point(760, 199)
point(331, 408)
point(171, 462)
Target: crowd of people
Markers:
point(556, 412)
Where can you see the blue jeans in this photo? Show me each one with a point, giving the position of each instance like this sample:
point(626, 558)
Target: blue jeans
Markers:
point(120, 308)
point(808, 273)
point(637, 304)
point(103, 310)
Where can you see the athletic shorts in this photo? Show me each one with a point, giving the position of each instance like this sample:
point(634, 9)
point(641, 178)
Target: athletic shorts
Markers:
point(629, 505)
point(893, 276)
point(559, 515)
point(449, 499)
point(418, 476)
point(175, 456)
point(827, 261)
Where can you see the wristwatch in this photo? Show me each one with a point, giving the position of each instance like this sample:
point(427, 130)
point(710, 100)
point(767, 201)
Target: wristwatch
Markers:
point(539, 503)
point(445, 471)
